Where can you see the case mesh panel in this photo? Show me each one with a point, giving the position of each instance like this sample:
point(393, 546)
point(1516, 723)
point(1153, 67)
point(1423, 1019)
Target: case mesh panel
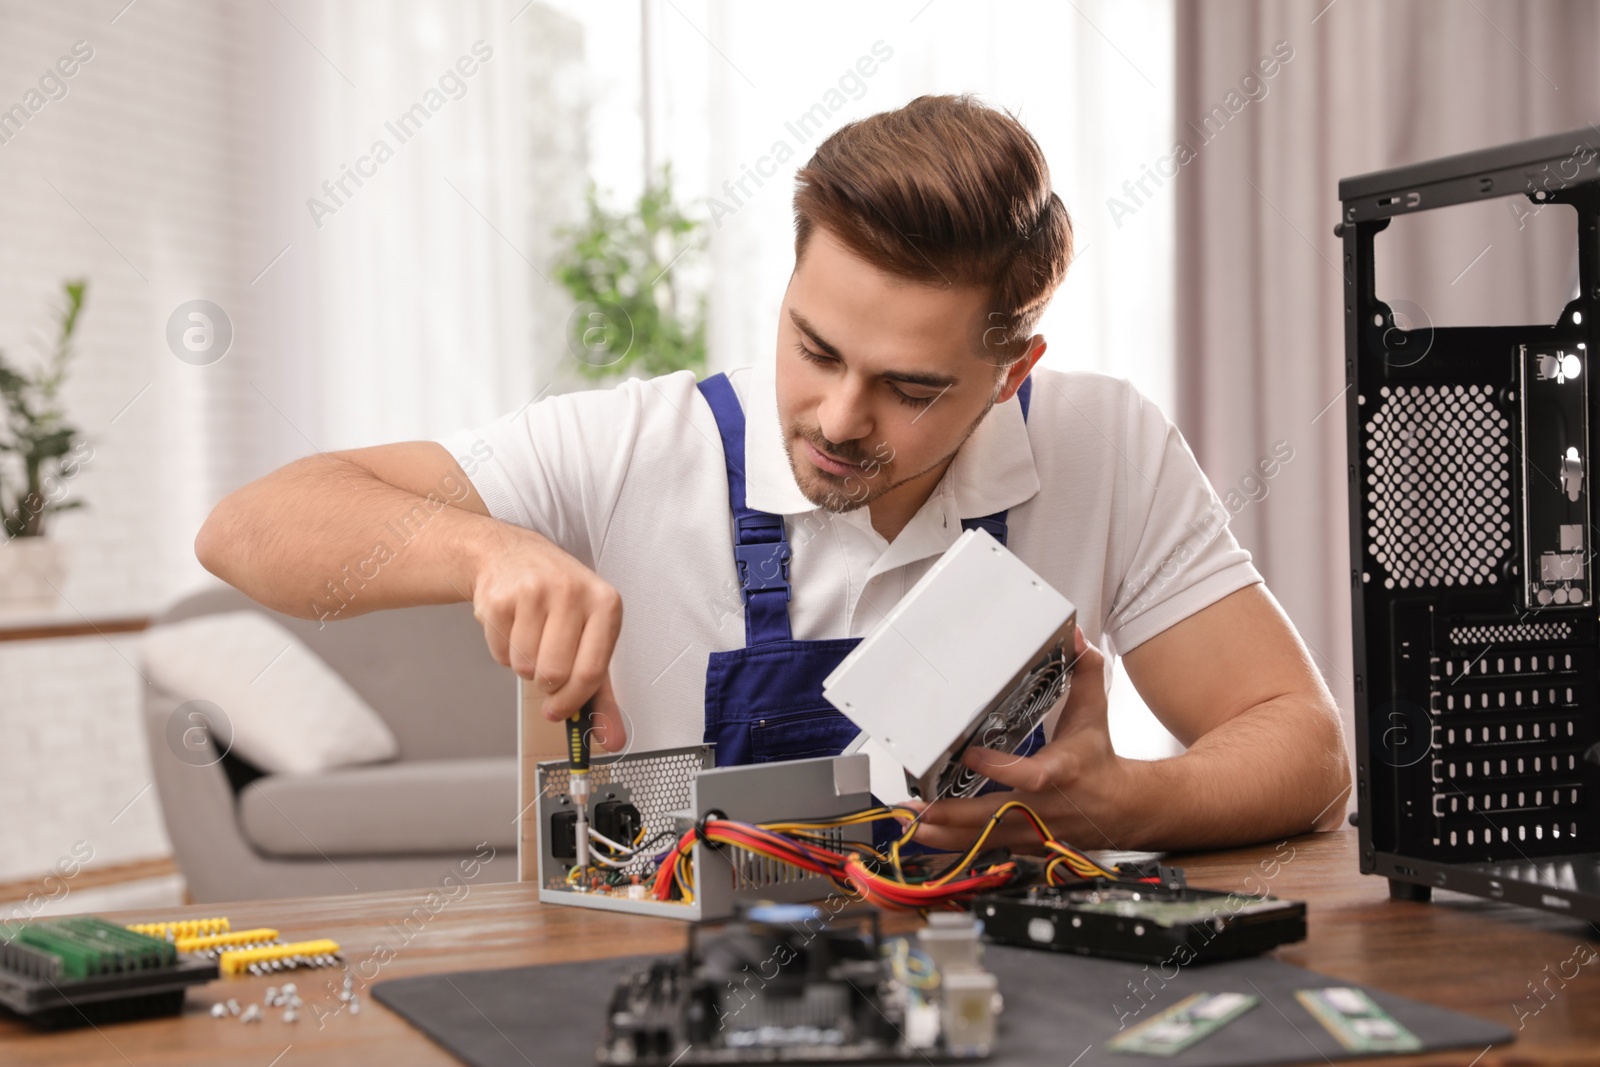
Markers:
point(1439, 486)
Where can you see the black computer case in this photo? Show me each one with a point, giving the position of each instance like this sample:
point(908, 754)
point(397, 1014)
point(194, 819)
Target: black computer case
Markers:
point(1472, 541)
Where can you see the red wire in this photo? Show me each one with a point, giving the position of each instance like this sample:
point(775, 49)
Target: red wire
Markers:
point(849, 872)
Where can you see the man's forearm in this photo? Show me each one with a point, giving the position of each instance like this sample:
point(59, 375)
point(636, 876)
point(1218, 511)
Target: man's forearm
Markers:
point(1274, 770)
point(325, 538)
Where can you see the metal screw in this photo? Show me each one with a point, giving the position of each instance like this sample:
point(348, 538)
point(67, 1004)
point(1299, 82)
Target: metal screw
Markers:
point(219, 1010)
point(252, 1014)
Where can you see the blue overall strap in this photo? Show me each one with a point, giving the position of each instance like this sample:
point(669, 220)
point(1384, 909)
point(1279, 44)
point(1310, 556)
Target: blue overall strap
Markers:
point(760, 549)
point(996, 523)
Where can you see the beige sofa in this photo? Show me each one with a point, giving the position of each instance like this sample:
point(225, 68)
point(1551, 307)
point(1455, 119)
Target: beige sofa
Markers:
point(448, 800)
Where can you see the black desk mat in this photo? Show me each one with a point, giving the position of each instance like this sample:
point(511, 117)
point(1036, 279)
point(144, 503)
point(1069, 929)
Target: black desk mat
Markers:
point(1059, 1009)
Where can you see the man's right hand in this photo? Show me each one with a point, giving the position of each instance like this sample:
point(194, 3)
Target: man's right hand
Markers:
point(297, 541)
point(554, 622)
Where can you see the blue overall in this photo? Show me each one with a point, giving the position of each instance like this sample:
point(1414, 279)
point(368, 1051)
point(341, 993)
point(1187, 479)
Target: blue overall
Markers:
point(764, 702)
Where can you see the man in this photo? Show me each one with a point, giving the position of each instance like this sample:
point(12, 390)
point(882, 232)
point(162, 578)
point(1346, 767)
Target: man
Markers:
point(803, 496)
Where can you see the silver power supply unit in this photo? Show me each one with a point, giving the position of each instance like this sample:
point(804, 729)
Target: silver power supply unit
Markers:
point(978, 652)
point(670, 791)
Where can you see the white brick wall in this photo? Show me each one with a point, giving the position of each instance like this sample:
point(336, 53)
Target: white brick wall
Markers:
point(145, 148)
point(76, 763)
point(177, 167)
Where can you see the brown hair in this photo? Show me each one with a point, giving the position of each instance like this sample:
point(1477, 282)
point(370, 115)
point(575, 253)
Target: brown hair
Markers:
point(944, 190)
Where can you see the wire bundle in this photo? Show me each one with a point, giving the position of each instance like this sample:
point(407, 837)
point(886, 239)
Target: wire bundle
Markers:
point(888, 881)
point(609, 858)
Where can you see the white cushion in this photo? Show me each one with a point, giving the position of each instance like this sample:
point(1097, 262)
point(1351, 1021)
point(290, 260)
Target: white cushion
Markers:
point(290, 712)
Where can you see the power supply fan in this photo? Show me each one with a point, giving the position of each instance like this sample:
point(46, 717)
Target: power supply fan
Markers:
point(1006, 727)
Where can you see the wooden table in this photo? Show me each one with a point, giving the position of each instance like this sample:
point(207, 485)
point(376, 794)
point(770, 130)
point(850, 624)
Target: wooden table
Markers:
point(48, 622)
point(1462, 953)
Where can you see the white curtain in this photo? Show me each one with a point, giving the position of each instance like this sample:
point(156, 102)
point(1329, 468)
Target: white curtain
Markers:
point(1261, 328)
point(416, 295)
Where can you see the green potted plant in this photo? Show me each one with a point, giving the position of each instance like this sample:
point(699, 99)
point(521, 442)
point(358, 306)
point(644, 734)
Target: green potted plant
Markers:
point(40, 452)
point(627, 271)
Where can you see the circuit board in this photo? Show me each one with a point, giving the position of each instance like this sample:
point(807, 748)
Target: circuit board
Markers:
point(79, 970)
point(786, 983)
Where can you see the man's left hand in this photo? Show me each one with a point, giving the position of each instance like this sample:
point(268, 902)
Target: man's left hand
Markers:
point(1075, 782)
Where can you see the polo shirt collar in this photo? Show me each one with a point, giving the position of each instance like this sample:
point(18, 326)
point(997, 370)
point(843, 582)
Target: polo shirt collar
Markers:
point(992, 471)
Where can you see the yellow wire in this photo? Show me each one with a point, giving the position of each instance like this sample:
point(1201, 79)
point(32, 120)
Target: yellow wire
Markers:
point(805, 831)
point(977, 846)
point(852, 819)
point(678, 869)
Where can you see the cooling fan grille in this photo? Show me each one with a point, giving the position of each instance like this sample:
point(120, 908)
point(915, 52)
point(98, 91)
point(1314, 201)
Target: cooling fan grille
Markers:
point(1006, 727)
point(1438, 498)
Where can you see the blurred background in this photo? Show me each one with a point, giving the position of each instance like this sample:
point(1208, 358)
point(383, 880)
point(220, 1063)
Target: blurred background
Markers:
point(306, 226)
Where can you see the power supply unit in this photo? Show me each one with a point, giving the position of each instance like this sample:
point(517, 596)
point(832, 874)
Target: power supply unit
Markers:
point(977, 652)
point(670, 791)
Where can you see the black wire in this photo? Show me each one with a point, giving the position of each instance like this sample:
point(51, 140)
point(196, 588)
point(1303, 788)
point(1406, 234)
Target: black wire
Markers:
point(635, 851)
point(699, 830)
point(994, 820)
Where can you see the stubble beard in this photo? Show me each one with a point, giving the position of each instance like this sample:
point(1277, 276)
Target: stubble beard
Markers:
point(841, 494)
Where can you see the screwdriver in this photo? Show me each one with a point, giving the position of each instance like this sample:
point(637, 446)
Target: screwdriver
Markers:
point(578, 727)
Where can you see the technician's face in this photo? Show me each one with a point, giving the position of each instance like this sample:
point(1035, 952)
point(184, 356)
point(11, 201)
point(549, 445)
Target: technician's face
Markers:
point(879, 379)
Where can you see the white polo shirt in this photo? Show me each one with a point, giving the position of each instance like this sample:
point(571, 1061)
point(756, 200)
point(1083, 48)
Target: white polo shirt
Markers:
point(1106, 503)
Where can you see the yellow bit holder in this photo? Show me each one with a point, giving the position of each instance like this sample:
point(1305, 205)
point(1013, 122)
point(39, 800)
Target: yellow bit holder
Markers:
point(239, 962)
point(183, 928)
point(237, 938)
